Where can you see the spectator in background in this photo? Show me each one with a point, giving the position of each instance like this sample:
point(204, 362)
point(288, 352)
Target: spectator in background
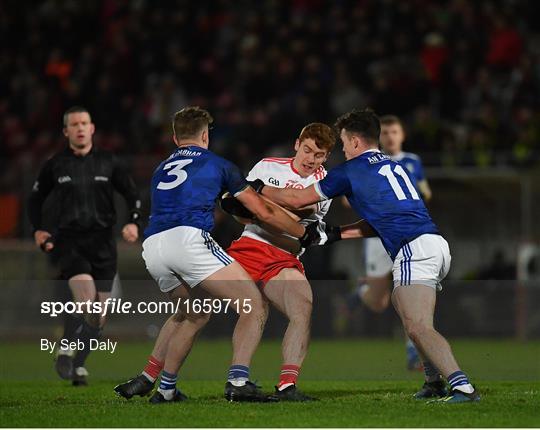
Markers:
point(273, 63)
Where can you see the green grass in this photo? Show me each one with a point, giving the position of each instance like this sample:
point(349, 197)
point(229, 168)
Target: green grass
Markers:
point(360, 383)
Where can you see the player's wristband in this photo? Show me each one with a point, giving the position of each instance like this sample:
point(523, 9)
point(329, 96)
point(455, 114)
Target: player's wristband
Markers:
point(257, 185)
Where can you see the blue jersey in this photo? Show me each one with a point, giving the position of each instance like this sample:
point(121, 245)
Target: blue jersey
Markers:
point(381, 192)
point(185, 187)
point(412, 163)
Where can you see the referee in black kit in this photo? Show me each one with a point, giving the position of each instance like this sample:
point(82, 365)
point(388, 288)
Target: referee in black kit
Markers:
point(83, 179)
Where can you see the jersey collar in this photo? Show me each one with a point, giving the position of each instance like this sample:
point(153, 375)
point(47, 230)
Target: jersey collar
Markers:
point(398, 157)
point(370, 150)
point(294, 168)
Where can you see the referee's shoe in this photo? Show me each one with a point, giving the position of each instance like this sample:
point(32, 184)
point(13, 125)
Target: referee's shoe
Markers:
point(64, 363)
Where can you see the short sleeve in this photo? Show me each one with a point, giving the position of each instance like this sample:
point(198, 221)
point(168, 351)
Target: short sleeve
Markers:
point(420, 176)
point(255, 172)
point(234, 181)
point(336, 183)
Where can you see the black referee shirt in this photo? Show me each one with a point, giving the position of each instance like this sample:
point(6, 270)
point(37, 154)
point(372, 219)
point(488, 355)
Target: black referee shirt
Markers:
point(84, 189)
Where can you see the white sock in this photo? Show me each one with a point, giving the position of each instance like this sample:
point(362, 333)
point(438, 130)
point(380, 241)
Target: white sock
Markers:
point(238, 382)
point(281, 388)
point(466, 388)
point(65, 351)
point(167, 394)
point(362, 290)
point(147, 376)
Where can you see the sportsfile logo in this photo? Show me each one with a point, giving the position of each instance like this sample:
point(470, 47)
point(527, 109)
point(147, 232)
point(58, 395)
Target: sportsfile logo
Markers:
point(119, 306)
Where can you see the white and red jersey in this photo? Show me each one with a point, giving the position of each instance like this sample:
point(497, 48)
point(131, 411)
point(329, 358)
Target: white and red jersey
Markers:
point(280, 173)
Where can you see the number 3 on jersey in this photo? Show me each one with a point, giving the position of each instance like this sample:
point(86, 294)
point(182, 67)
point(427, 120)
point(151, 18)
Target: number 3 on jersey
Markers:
point(386, 171)
point(181, 175)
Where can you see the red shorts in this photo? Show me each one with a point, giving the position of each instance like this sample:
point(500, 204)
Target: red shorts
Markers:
point(261, 260)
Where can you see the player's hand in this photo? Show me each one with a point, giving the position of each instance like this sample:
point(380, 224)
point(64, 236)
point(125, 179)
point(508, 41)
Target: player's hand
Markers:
point(320, 233)
point(130, 232)
point(43, 239)
point(257, 185)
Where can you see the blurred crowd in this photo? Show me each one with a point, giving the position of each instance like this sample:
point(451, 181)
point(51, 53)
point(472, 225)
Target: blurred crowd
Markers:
point(464, 76)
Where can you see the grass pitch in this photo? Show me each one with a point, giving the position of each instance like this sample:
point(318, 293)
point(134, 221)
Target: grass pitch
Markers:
point(360, 383)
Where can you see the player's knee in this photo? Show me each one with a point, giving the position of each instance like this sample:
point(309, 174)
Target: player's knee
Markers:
point(253, 307)
point(198, 320)
point(266, 308)
point(380, 305)
point(179, 317)
point(256, 306)
point(416, 330)
point(300, 313)
point(300, 319)
point(203, 319)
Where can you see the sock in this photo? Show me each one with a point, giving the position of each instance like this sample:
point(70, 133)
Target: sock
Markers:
point(459, 381)
point(362, 290)
point(412, 352)
point(238, 375)
point(72, 327)
point(288, 376)
point(152, 369)
point(87, 333)
point(431, 372)
point(167, 385)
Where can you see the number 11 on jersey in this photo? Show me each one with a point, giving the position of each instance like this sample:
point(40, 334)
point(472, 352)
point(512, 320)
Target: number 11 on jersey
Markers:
point(386, 171)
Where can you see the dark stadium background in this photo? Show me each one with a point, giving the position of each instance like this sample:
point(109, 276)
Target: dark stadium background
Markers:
point(464, 76)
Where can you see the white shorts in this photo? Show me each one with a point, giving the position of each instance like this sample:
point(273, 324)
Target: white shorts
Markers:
point(425, 261)
point(183, 255)
point(378, 262)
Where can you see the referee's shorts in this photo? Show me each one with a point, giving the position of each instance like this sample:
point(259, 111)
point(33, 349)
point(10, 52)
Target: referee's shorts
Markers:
point(91, 252)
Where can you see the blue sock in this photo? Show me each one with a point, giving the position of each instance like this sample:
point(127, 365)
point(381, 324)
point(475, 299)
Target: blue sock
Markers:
point(412, 352)
point(431, 372)
point(458, 380)
point(238, 373)
point(167, 381)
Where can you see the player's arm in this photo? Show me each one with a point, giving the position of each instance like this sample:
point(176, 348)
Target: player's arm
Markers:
point(291, 198)
point(40, 190)
point(425, 189)
point(357, 230)
point(125, 185)
point(336, 183)
point(269, 213)
point(422, 183)
point(306, 211)
point(324, 234)
point(259, 171)
point(264, 211)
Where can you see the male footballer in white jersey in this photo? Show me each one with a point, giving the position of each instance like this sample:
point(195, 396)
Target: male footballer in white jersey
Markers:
point(271, 259)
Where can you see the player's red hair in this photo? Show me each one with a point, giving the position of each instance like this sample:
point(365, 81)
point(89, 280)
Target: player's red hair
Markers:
point(323, 135)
